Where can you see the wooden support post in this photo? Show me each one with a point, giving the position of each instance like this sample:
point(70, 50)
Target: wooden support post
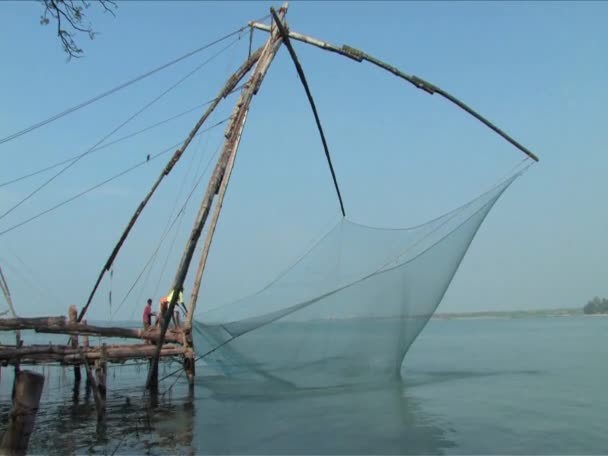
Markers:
point(152, 381)
point(72, 317)
point(100, 404)
point(85, 338)
point(101, 371)
point(189, 360)
point(217, 185)
point(28, 389)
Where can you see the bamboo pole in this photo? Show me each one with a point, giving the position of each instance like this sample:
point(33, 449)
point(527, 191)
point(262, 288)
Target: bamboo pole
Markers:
point(311, 101)
point(189, 364)
point(233, 133)
point(222, 190)
point(233, 80)
point(359, 56)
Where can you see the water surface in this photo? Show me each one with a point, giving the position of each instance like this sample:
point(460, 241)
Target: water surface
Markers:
point(477, 386)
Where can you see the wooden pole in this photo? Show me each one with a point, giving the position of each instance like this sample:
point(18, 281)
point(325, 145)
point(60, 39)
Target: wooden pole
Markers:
point(311, 101)
point(233, 80)
point(101, 371)
point(59, 325)
point(72, 316)
point(28, 389)
point(85, 338)
point(173, 335)
point(92, 384)
point(9, 301)
point(11, 324)
point(189, 361)
point(359, 56)
point(233, 134)
point(68, 355)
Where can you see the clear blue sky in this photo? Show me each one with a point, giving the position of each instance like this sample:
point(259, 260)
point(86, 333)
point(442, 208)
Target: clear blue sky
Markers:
point(539, 70)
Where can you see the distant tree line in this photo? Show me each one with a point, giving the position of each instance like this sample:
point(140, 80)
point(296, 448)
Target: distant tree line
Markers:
point(596, 306)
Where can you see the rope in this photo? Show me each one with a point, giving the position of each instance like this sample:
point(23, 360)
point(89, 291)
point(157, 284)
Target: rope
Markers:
point(37, 282)
point(116, 141)
point(180, 213)
point(172, 214)
point(110, 179)
point(150, 260)
point(119, 87)
point(65, 168)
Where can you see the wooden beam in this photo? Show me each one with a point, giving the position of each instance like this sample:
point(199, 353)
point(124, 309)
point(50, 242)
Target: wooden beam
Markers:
point(227, 156)
point(233, 80)
point(359, 56)
point(59, 325)
point(125, 333)
point(11, 324)
point(68, 355)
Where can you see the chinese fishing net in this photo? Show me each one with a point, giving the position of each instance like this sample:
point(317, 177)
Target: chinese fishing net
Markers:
point(349, 309)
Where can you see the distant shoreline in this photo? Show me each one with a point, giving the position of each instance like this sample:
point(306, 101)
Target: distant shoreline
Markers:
point(509, 314)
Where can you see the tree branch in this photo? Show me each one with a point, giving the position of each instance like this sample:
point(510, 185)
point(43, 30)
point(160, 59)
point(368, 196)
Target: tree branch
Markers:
point(70, 13)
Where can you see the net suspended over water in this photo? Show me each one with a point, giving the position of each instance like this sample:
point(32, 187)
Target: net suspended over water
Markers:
point(349, 309)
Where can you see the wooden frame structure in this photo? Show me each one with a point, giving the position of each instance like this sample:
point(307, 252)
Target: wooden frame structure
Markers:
point(180, 338)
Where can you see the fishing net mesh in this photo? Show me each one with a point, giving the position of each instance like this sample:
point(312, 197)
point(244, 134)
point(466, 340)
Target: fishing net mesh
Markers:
point(348, 310)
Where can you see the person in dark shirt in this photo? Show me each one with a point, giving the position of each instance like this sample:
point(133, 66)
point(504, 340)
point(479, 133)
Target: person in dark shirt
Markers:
point(148, 314)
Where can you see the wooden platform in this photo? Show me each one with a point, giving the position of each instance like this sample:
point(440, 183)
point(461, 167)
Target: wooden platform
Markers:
point(77, 351)
point(67, 355)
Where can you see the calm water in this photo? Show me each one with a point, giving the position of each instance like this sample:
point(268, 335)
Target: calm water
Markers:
point(483, 386)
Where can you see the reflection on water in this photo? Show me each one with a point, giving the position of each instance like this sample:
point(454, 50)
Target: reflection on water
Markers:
point(268, 419)
point(227, 416)
point(528, 386)
point(135, 422)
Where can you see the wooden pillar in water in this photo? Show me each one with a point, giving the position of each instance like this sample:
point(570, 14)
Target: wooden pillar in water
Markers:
point(85, 338)
point(101, 372)
point(100, 403)
point(73, 317)
point(28, 389)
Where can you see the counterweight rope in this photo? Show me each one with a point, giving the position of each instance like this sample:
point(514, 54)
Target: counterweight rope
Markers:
point(102, 140)
point(100, 184)
point(119, 87)
point(116, 141)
